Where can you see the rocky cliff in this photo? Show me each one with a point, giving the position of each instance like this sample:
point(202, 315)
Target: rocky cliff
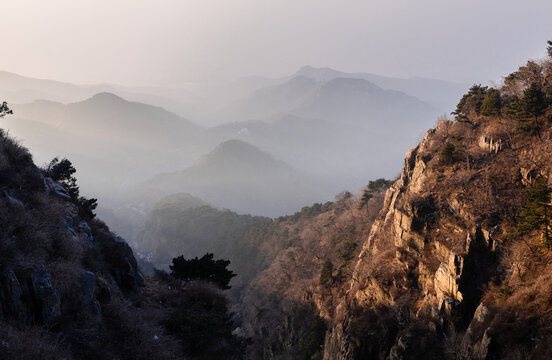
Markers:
point(456, 264)
point(444, 268)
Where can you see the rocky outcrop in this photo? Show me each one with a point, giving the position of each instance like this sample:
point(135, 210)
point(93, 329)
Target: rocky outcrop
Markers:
point(439, 264)
point(12, 200)
point(55, 188)
point(86, 293)
point(489, 144)
point(85, 234)
point(11, 297)
point(126, 273)
point(45, 297)
point(29, 296)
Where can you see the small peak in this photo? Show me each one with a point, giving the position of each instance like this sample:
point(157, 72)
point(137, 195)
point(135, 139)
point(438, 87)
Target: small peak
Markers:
point(106, 96)
point(231, 151)
point(236, 144)
point(306, 68)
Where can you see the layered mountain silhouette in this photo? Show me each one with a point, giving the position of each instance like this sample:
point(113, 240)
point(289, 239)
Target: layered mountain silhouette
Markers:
point(18, 89)
point(441, 94)
point(324, 122)
point(108, 138)
point(241, 177)
point(331, 128)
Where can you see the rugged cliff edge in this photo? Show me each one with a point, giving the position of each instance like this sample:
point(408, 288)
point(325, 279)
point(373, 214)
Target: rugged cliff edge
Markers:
point(456, 264)
point(445, 270)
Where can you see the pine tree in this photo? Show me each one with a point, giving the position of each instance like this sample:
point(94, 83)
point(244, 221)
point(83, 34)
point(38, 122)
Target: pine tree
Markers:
point(63, 172)
point(533, 100)
point(326, 278)
point(535, 214)
point(512, 107)
point(448, 154)
point(206, 269)
point(533, 105)
point(492, 103)
point(366, 196)
point(470, 104)
point(5, 110)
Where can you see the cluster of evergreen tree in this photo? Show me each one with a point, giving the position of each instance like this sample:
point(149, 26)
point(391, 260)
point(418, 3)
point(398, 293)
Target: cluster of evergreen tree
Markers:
point(200, 318)
point(5, 110)
point(374, 186)
point(536, 213)
point(484, 101)
point(204, 268)
point(525, 97)
point(63, 172)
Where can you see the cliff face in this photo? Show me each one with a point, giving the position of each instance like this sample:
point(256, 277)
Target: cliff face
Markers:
point(452, 262)
point(415, 279)
point(443, 268)
point(455, 265)
point(435, 253)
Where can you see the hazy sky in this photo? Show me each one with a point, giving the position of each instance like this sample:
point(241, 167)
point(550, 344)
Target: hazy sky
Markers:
point(169, 42)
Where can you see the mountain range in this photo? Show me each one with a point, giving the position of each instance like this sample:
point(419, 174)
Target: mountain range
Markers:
point(323, 123)
point(106, 134)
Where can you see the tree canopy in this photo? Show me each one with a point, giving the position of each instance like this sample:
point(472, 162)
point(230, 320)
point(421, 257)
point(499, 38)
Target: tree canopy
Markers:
point(63, 172)
point(535, 214)
point(492, 103)
point(204, 268)
point(5, 110)
point(470, 103)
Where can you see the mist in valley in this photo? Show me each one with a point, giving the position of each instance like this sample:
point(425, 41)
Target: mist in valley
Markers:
point(288, 143)
point(261, 143)
point(263, 133)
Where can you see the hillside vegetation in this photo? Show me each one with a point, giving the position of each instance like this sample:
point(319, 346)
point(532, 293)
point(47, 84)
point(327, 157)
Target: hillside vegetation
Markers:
point(456, 264)
point(71, 289)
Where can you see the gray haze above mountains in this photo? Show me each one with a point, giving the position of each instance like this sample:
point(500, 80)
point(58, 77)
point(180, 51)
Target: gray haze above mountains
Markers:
point(174, 42)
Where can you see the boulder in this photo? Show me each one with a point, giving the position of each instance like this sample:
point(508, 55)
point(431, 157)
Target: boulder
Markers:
point(44, 297)
point(489, 144)
point(471, 338)
point(86, 294)
point(11, 304)
point(127, 274)
point(85, 234)
point(56, 189)
point(102, 291)
point(12, 200)
point(481, 349)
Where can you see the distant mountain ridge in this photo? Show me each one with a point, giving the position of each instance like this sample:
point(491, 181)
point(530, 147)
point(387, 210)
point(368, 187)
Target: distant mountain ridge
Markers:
point(106, 134)
point(19, 89)
point(335, 99)
point(330, 128)
point(241, 177)
point(197, 100)
point(324, 122)
point(439, 93)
